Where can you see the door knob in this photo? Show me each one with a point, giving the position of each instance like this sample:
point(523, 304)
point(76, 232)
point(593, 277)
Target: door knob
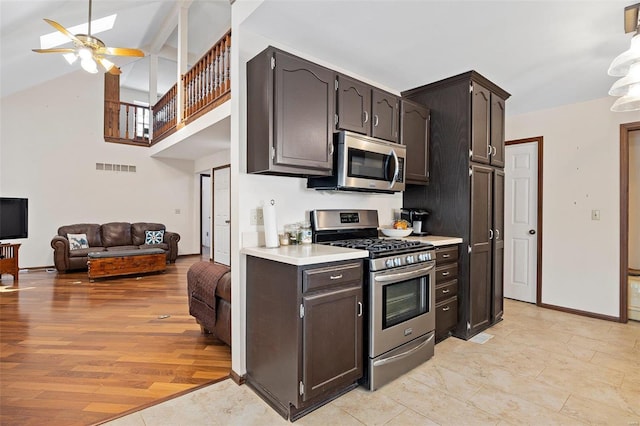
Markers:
point(532, 231)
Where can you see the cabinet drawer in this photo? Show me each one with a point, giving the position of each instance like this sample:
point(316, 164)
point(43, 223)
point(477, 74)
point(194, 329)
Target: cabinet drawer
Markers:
point(446, 254)
point(446, 272)
point(315, 279)
point(446, 291)
point(446, 316)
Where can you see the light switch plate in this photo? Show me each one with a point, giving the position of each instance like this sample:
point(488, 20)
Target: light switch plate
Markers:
point(595, 214)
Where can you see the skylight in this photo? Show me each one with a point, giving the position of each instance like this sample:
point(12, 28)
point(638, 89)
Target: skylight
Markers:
point(56, 38)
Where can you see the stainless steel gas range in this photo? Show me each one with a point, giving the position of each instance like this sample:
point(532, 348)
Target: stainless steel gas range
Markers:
point(399, 292)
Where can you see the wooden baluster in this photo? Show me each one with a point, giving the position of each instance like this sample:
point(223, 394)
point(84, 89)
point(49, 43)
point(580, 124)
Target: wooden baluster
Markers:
point(228, 79)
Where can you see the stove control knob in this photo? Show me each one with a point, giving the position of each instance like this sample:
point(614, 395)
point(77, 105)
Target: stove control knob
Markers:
point(389, 263)
point(410, 259)
point(422, 257)
point(397, 261)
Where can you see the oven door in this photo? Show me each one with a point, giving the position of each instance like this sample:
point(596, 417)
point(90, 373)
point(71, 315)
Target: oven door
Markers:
point(370, 164)
point(402, 306)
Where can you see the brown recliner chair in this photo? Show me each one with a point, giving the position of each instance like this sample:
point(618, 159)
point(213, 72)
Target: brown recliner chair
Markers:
point(209, 293)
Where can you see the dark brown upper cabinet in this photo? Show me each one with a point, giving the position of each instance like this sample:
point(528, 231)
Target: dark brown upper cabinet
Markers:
point(386, 112)
point(290, 110)
point(365, 109)
point(487, 140)
point(414, 134)
point(353, 106)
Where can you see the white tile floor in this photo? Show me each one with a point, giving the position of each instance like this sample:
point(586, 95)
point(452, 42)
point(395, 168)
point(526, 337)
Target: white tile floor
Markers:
point(541, 367)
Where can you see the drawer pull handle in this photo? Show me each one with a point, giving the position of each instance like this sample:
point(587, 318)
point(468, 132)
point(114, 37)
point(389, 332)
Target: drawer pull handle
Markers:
point(335, 277)
point(446, 290)
point(444, 274)
point(446, 256)
point(359, 309)
point(446, 308)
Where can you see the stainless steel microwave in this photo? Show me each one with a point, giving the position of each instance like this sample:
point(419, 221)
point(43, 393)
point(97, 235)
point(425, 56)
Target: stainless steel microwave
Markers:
point(362, 163)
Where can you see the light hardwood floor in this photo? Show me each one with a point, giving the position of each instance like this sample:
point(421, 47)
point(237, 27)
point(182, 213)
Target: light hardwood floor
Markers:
point(541, 367)
point(75, 352)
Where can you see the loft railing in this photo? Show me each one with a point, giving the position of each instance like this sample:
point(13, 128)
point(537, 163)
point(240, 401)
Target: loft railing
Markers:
point(205, 86)
point(165, 114)
point(126, 123)
point(208, 80)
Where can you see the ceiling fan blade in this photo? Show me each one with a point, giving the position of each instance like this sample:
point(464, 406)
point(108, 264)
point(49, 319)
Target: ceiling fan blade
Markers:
point(119, 51)
point(63, 30)
point(56, 50)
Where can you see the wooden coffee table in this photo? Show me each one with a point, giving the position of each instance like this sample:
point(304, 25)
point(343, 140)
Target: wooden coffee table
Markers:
point(126, 262)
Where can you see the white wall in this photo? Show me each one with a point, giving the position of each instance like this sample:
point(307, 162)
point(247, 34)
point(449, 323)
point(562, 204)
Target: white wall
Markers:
point(634, 199)
point(581, 257)
point(50, 140)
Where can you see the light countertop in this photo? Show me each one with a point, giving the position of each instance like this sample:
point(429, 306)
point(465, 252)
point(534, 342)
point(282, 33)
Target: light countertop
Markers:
point(311, 254)
point(436, 240)
point(305, 254)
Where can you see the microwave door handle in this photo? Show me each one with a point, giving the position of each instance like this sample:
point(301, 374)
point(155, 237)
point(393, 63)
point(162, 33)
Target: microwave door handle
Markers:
point(396, 168)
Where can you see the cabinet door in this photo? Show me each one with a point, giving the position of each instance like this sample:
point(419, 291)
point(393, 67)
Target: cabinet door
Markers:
point(498, 245)
point(480, 110)
point(354, 105)
point(304, 95)
point(332, 340)
point(414, 133)
point(385, 120)
point(480, 289)
point(497, 131)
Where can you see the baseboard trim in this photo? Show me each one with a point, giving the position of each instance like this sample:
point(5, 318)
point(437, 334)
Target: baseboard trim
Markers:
point(579, 312)
point(237, 378)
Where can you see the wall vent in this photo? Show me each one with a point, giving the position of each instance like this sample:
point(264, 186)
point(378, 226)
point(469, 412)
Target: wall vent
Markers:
point(115, 167)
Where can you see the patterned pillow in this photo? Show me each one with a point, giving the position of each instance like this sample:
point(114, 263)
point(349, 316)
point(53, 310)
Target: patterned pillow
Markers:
point(153, 237)
point(77, 241)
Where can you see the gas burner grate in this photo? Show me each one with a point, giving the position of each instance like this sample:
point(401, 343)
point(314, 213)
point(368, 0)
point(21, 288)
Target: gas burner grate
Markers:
point(377, 245)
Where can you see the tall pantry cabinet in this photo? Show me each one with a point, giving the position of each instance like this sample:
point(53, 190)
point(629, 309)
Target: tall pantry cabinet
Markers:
point(465, 194)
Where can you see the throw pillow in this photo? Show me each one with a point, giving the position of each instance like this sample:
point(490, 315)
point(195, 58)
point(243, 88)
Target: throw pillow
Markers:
point(153, 237)
point(77, 241)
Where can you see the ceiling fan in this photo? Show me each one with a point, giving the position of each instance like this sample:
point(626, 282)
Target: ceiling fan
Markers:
point(89, 49)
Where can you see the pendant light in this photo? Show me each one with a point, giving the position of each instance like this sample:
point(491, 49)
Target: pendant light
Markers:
point(627, 66)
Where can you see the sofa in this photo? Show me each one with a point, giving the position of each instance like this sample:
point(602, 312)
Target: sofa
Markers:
point(74, 242)
point(209, 294)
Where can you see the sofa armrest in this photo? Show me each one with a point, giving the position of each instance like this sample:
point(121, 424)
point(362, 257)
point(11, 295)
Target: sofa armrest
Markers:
point(61, 249)
point(171, 239)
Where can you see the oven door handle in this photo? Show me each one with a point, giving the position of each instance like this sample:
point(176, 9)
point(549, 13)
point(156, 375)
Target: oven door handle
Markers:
point(393, 358)
point(401, 275)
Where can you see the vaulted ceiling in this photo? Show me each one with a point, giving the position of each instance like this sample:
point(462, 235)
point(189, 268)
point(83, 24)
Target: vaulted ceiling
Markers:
point(150, 25)
point(545, 53)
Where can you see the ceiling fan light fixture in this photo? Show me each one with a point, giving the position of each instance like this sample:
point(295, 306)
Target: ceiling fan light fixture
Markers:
point(89, 65)
point(70, 57)
point(85, 53)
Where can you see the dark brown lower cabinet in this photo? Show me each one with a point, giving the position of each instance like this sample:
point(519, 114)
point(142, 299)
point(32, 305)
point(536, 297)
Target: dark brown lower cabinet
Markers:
point(446, 290)
point(304, 332)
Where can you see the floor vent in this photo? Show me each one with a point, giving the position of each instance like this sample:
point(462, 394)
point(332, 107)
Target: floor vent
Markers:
point(115, 167)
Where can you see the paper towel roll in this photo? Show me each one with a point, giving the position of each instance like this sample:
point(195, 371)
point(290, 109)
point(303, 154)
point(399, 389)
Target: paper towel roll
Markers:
point(270, 224)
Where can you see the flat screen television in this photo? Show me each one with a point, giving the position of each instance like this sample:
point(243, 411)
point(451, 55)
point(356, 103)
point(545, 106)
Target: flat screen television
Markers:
point(14, 214)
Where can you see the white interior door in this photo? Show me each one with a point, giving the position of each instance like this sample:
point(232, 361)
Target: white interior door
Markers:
point(520, 221)
point(221, 216)
point(205, 214)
